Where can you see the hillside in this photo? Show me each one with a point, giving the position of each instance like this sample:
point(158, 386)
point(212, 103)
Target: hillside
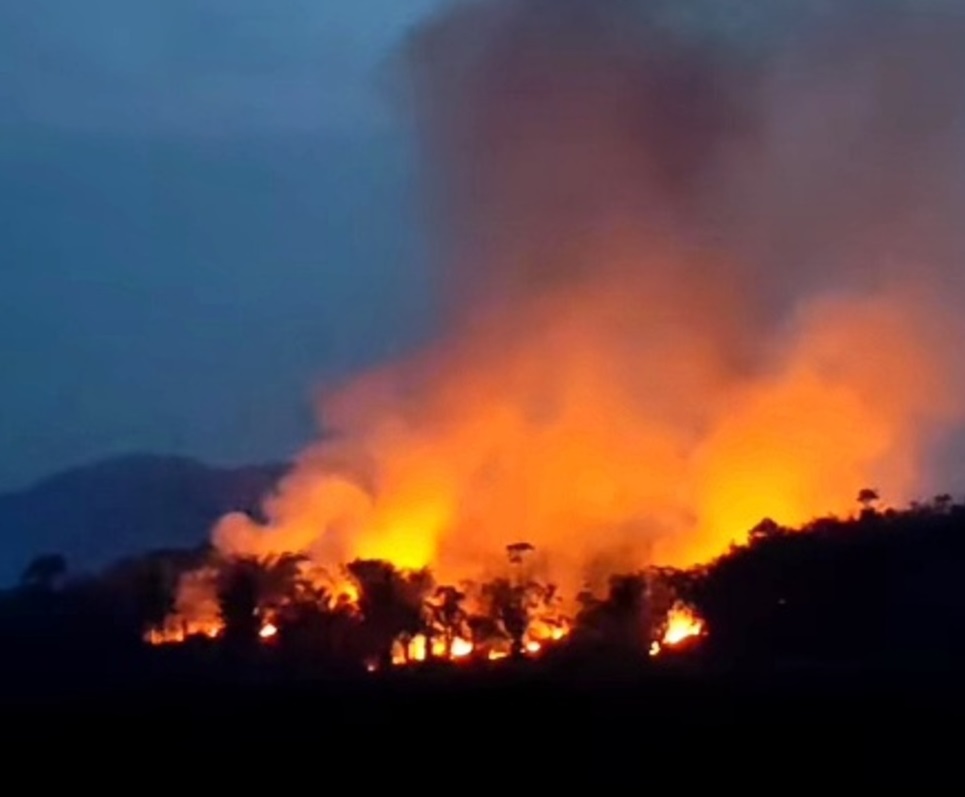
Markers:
point(123, 506)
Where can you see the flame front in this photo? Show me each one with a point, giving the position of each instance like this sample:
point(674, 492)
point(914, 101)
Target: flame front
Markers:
point(681, 625)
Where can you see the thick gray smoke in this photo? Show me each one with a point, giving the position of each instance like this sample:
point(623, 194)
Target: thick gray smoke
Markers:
point(801, 140)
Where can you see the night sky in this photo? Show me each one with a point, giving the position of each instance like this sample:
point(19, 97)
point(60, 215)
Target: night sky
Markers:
point(207, 209)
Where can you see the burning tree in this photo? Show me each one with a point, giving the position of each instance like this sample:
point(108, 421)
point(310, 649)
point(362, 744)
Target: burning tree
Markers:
point(509, 608)
point(513, 603)
point(391, 604)
point(252, 591)
point(448, 615)
point(512, 610)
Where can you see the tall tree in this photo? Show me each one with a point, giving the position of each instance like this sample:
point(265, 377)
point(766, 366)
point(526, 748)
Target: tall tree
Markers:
point(238, 601)
point(448, 614)
point(391, 603)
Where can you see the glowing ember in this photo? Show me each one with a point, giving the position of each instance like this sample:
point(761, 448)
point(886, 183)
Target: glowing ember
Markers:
point(268, 630)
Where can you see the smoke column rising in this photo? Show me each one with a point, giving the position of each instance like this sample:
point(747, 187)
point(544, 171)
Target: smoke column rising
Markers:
point(687, 283)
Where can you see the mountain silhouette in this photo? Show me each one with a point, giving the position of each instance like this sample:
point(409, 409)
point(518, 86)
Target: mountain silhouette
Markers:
point(124, 506)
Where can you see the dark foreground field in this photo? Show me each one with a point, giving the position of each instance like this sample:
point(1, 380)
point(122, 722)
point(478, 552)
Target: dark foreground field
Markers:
point(687, 726)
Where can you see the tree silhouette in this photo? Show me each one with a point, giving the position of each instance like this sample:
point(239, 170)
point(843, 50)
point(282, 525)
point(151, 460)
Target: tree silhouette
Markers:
point(512, 605)
point(154, 593)
point(238, 601)
point(767, 528)
point(391, 603)
point(517, 551)
point(868, 497)
point(314, 630)
point(281, 581)
point(508, 609)
point(448, 615)
point(621, 620)
point(627, 603)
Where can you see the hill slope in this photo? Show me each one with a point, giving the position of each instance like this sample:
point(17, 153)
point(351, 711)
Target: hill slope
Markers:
point(123, 506)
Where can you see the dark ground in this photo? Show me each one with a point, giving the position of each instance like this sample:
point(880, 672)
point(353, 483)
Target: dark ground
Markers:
point(664, 726)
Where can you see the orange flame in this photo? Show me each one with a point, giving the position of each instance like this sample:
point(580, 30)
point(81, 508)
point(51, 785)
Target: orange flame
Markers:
point(416, 649)
point(175, 631)
point(682, 624)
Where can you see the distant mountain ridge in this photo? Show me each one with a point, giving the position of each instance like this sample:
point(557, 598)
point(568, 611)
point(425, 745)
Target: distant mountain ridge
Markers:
point(124, 506)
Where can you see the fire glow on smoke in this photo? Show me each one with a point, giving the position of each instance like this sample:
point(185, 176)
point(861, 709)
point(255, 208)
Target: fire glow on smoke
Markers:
point(673, 303)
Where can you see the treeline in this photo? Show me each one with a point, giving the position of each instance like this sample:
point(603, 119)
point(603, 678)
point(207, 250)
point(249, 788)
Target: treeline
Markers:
point(883, 587)
point(880, 587)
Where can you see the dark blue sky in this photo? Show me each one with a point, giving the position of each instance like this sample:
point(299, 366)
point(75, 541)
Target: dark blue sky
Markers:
point(206, 208)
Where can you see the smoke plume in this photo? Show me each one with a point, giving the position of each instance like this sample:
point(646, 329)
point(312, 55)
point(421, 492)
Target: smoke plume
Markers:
point(690, 278)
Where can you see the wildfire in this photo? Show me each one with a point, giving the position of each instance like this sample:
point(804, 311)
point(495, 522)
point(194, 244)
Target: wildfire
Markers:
point(603, 382)
point(682, 624)
point(461, 648)
point(611, 384)
point(174, 632)
point(418, 648)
